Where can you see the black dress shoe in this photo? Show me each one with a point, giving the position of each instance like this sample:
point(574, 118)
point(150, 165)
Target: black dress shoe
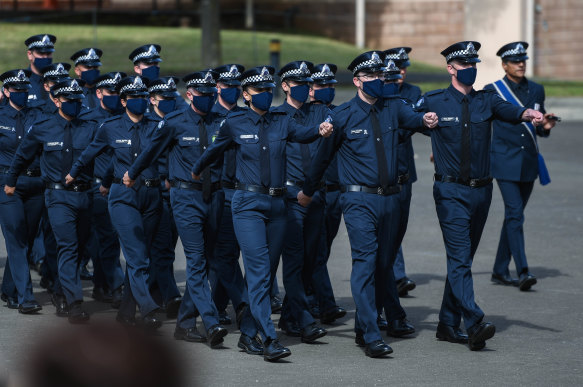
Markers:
point(359, 340)
point(479, 333)
point(76, 313)
point(526, 281)
point(150, 321)
point(290, 328)
point(102, 295)
point(451, 334)
point(312, 333)
point(276, 304)
point(251, 345)
point(60, 303)
point(215, 335)
point(400, 328)
point(189, 334)
point(273, 350)
point(116, 296)
point(30, 308)
point(173, 306)
point(332, 315)
point(126, 321)
point(11, 302)
point(405, 285)
point(504, 279)
point(224, 318)
point(377, 349)
point(85, 274)
point(382, 323)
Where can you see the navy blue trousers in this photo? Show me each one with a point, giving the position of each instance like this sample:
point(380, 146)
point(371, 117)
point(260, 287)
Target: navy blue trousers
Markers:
point(405, 199)
point(462, 213)
point(320, 281)
point(260, 222)
point(162, 279)
point(45, 248)
point(104, 245)
point(515, 195)
point(198, 224)
point(70, 216)
point(19, 217)
point(302, 237)
point(135, 213)
point(372, 222)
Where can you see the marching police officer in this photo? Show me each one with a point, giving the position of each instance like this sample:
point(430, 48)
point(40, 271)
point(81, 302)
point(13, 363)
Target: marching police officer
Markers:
point(51, 75)
point(163, 96)
point(87, 62)
point(225, 276)
point(20, 213)
point(322, 91)
point(135, 212)
point(463, 186)
point(40, 49)
point(516, 161)
point(104, 243)
point(146, 61)
point(61, 138)
point(197, 206)
point(365, 141)
point(303, 224)
point(259, 212)
point(407, 172)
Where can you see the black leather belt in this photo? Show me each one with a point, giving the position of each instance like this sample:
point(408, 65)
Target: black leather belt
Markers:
point(149, 183)
point(390, 190)
point(26, 172)
point(193, 185)
point(300, 184)
point(403, 178)
point(227, 184)
point(475, 183)
point(75, 187)
point(332, 187)
point(271, 191)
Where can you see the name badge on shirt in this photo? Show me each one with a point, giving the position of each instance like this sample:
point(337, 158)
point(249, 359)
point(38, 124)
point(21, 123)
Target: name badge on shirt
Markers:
point(54, 144)
point(359, 131)
point(8, 128)
point(449, 119)
point(248, 136)
point(123, 141)
point(190, 139)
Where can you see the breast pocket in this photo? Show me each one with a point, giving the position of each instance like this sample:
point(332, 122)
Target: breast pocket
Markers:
point(190, 146)
point(449, 131)
point(121, 149)
point(53, 146)
point(249, 146)
point(358, 140)
point(481, 126)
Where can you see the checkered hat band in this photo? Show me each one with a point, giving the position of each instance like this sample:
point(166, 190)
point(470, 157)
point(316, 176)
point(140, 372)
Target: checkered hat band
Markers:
point(161, 88)
point(455, 54)
point(39, 43)
point(295, 72)
point(142, 55)
point(51, 73)
point(131, 88)
point(367, 63)
point(16, 80)
point(67, 89)
point(199, 82)
point(86, 58)
point(106, 82)
point(322, 75)
point(257, 78)
point(228, 75)
point(397, 56)
point(514, 51)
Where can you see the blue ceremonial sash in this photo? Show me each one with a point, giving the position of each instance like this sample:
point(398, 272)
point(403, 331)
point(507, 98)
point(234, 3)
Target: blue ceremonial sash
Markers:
point(507, 95)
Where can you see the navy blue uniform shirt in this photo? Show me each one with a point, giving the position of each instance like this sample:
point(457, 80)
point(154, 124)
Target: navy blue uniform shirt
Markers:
point(446, 137)
point(514, 152)
point(229, 168)
point(241, 130)
point(37, 94)
point(181, 135)
point(353, 142)
point(116, 133)
point(102, 168)
point(9, 140)
point(47, 136)
point(410, 93)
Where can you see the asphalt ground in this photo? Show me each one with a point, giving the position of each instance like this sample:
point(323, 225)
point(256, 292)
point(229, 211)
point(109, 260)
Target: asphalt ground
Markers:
point(539, 339)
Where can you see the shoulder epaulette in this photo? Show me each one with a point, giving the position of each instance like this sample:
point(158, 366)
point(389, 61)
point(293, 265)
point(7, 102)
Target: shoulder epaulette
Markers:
point(434, 92)
point(238, 113)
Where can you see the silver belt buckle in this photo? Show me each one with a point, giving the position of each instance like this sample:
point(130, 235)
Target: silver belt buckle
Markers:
point(271, 191)
point(380, 190)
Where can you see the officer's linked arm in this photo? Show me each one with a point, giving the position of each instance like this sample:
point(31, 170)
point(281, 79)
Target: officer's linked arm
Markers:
point(214, 151)
point(533, 116)
point(307, 134)
point(163, 136)
point(414, 120)
point(24, 155)
point(97, 146)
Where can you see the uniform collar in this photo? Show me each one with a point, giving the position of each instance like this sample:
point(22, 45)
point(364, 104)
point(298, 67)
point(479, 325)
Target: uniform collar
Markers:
point(366, 107)
point(289, 109)
point(197, 117)
point(522, 85)
point(256, 117)
point(458, 96)
point(128, 121)
point(220, 109)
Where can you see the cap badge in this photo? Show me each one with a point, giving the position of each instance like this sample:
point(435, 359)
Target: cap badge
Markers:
point(152, 51)
point(304, 67)
point(520, 49)
point(208, 78)
point(171, 83)
point(60, 68)
point(138, 84)
point(391, 66)
point(46, 40)
point(75, 86)
point(233, 71)
point(21, 76)
point(117, 77)
point(326, 71)
point(264, 72)
point(471, 49)
point(375, 57)
point(92, 54)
